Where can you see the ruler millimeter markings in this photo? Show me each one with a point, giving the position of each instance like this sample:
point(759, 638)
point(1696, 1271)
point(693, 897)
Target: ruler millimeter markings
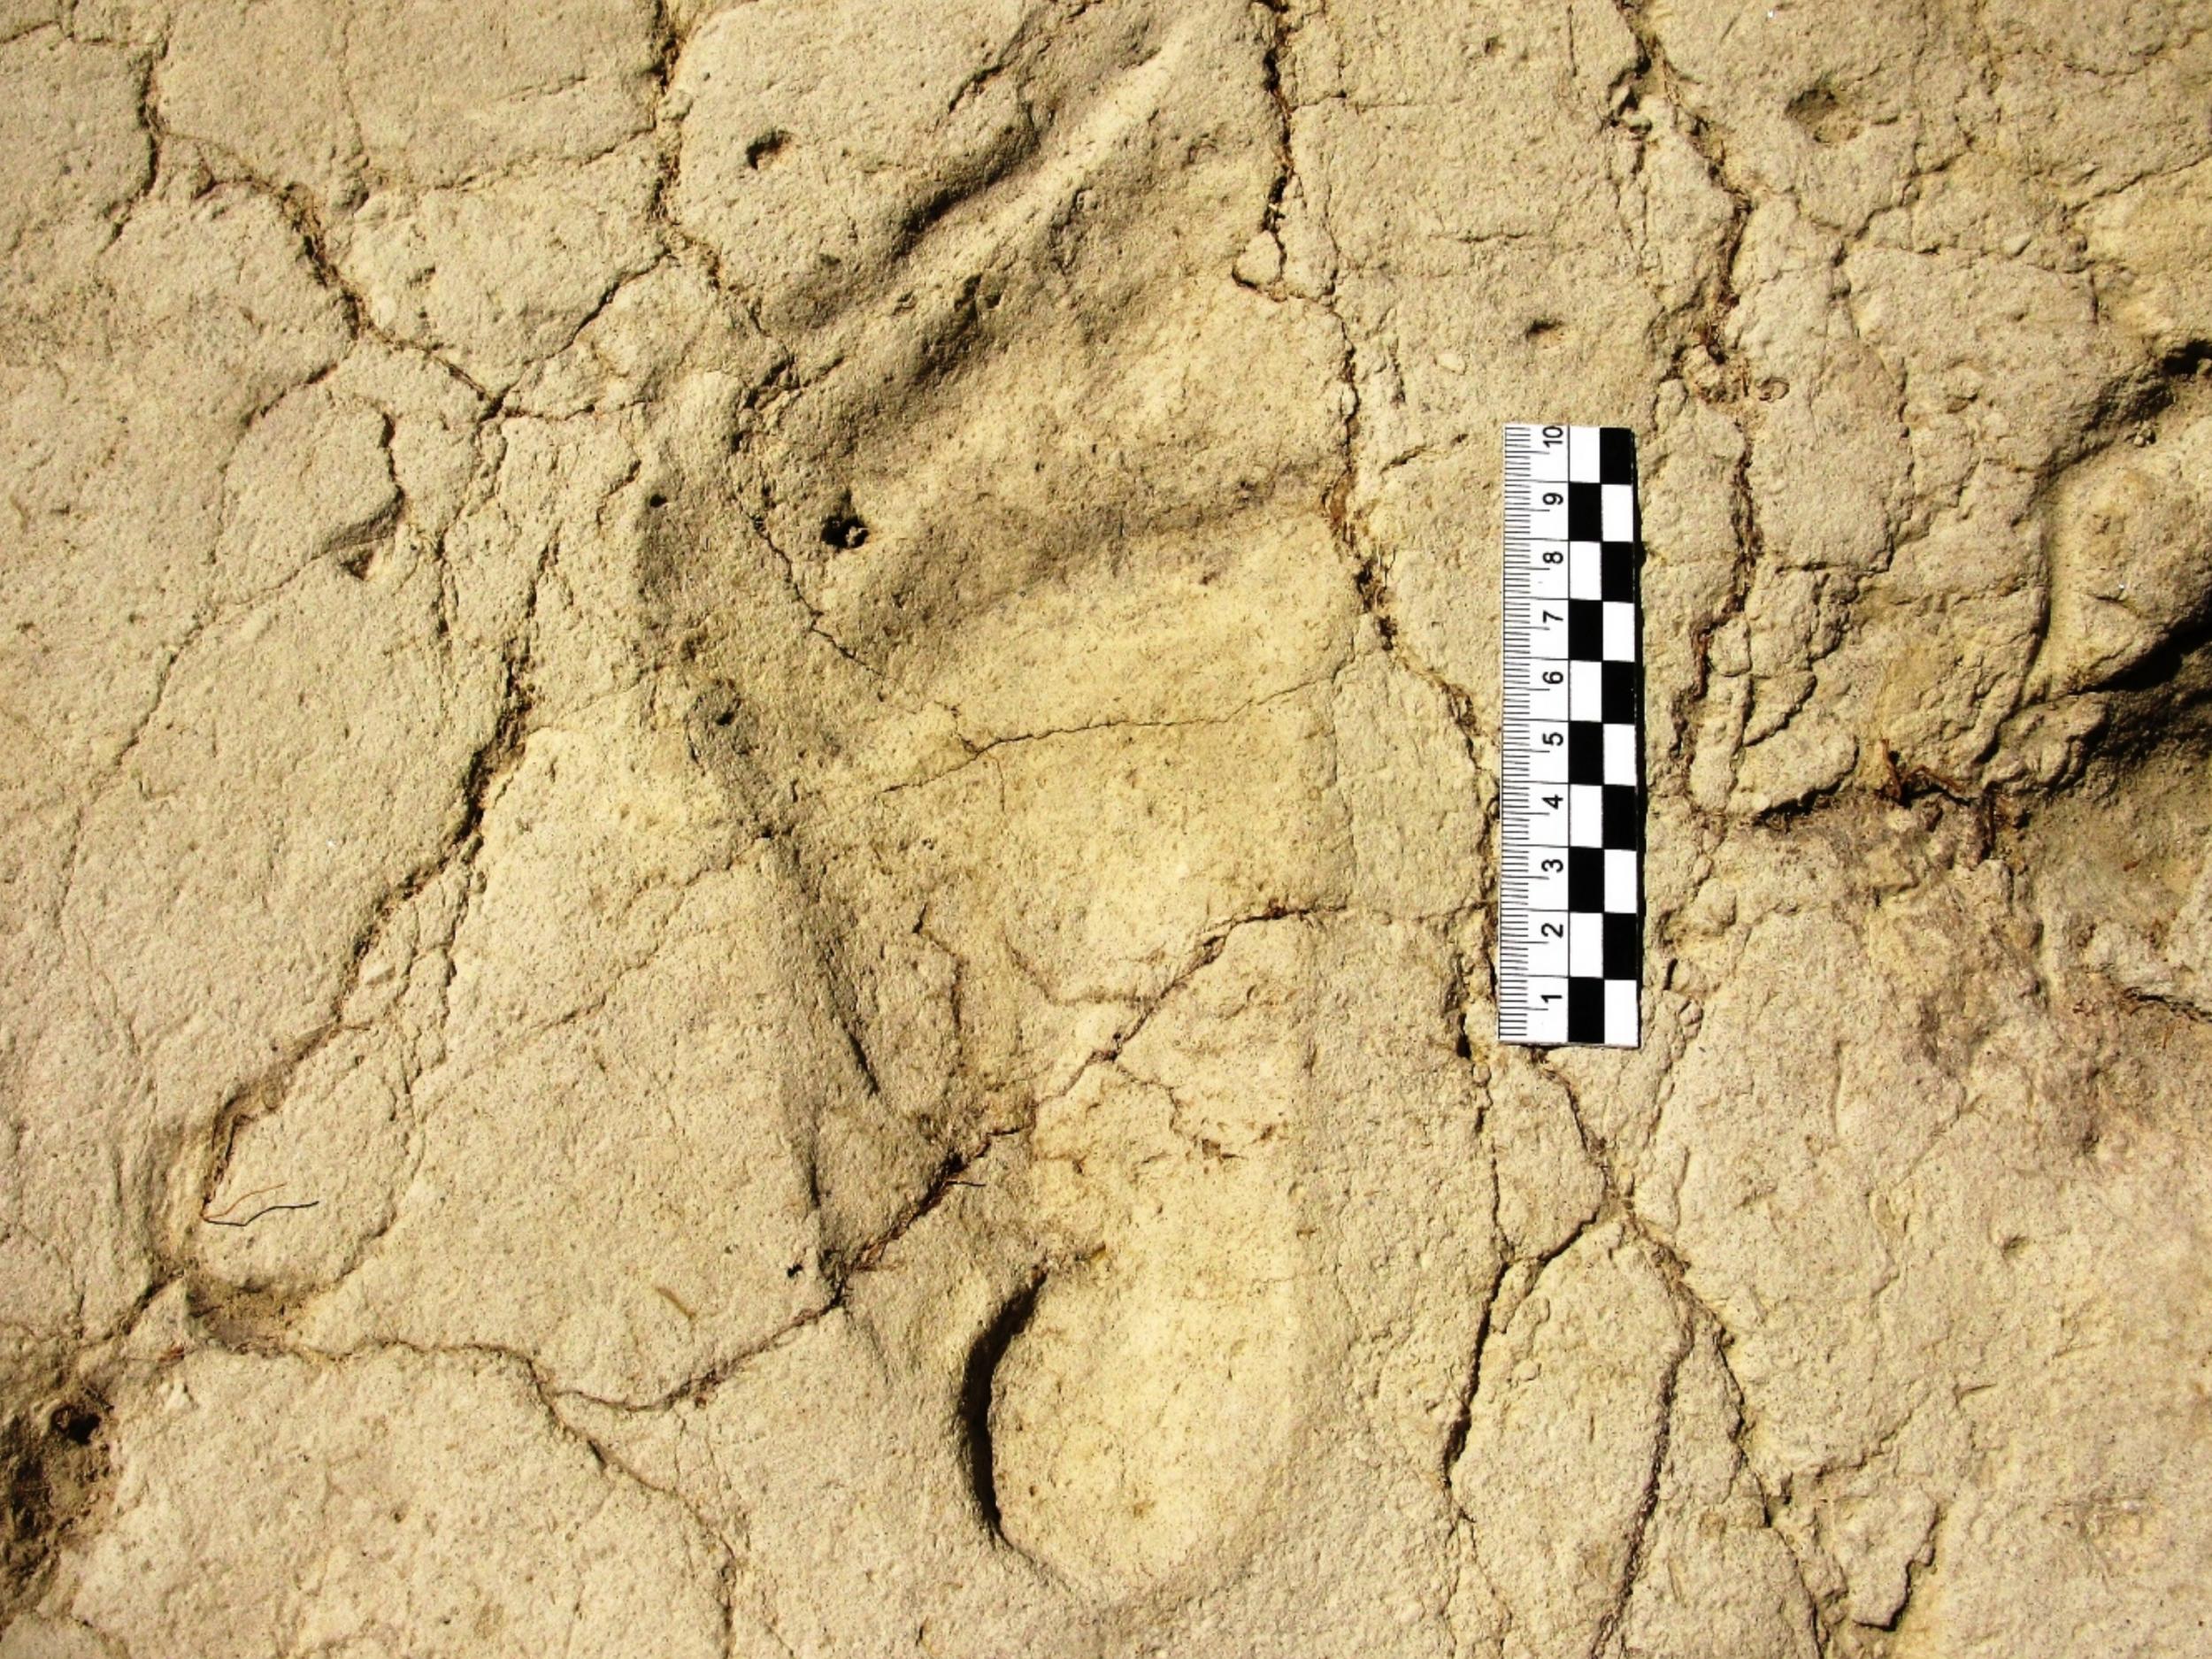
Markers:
point(1570, 801)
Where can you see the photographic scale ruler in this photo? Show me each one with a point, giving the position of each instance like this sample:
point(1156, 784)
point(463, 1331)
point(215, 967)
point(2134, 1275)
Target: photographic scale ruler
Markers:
point(1571, 798)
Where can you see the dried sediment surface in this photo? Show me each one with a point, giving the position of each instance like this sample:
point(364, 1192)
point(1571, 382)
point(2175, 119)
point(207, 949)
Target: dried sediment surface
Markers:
point(748, 791)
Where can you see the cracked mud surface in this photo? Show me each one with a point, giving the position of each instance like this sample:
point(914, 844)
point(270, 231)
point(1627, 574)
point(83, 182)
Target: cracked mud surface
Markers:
point(749, 804)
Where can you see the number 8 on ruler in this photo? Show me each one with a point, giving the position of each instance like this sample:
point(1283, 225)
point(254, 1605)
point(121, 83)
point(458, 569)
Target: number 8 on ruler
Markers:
point(1572, 798)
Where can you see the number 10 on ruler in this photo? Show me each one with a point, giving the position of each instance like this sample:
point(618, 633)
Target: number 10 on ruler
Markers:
point(1572, 798)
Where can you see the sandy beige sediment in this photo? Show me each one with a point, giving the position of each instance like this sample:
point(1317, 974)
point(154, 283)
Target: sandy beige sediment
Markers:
point(749, 776)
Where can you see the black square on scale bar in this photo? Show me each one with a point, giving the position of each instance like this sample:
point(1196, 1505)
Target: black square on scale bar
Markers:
point(1586, 1009)
point(1616, 455)
point(1622, 811)
point(1616, 568)
point(1616, 693)
point(1586, 512)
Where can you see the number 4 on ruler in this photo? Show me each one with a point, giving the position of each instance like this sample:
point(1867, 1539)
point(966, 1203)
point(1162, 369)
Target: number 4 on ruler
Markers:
point(1571, 799)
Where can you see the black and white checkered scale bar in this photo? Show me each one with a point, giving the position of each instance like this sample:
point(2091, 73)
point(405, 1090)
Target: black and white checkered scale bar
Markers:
point(1572, 798)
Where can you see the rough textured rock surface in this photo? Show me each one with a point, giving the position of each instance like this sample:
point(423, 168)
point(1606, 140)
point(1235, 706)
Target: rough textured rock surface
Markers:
point(748, 830)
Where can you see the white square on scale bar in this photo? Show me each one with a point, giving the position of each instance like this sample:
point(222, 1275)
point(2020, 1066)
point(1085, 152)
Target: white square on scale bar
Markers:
point(1586, 571)
point(1621, 1021)
point(1585, 944)
point(1618, 617)
point(1620, 881)
point(1620, 753)
point(1617, 511)
point(1582, 454)
point(1585, 815)
point(1586, 698)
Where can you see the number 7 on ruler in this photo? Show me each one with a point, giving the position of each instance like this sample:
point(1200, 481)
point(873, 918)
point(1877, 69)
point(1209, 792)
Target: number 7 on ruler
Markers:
point(1570, 802)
